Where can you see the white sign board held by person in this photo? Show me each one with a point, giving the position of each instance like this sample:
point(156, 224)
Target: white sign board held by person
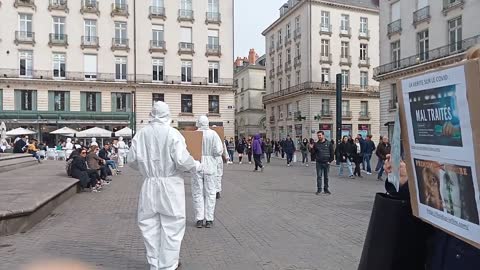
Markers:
point(440, 120)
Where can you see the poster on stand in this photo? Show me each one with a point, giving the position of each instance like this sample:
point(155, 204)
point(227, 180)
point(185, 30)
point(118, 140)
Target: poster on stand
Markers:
point(442, 143)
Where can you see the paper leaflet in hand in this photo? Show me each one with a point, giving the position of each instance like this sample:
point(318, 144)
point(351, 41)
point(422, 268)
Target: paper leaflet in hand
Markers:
point(395, 155)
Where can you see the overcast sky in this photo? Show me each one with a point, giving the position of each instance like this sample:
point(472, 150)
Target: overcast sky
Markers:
point(251, 18)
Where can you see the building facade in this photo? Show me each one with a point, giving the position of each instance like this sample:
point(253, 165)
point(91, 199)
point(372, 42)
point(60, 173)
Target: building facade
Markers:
point(104, 62)
point(250, 85)
point(307, 46)
point(416, 36)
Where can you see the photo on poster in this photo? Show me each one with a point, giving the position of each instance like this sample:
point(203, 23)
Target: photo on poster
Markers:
point(435, 116)
point(448, 188)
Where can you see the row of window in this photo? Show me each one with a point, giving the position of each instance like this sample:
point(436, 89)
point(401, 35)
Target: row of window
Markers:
point(423, 46)
point(288, 33)
point(59, 101)
point(121, 72)
point(326, 109)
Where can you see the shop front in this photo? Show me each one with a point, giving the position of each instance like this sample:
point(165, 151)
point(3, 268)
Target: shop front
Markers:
point(364, 130)
point(346, 130)
point(327, 130)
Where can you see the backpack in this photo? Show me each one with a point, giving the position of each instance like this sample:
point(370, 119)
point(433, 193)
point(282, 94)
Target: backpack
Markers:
point(68, 167)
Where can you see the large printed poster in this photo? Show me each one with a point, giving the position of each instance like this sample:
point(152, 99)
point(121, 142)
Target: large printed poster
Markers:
point(442, 151)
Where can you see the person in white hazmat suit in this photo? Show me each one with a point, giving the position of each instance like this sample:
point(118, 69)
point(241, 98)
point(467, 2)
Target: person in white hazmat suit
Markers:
point(159, 152)
point(68, 147)
point(204, 184)
point(221, 160)
point(94, 142)
point(122, 147)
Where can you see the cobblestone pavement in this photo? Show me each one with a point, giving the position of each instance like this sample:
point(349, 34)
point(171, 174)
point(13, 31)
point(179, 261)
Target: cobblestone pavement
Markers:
point(271, 220)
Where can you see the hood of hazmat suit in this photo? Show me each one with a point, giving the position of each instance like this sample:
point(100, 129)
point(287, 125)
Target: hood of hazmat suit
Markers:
point(212, 146)
point(160, 153)
point(121, 145)
point(69, 144)
point(94, 142)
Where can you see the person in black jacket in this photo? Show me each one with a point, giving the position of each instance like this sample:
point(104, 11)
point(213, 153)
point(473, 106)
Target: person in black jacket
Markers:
point(323, 151)
point(104, 154)
point(345, 156)
point(80, 171)
point(289, 148)
point(20, 146)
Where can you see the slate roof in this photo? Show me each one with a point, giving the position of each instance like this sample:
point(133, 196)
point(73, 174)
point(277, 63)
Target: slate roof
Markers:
point(373, 4)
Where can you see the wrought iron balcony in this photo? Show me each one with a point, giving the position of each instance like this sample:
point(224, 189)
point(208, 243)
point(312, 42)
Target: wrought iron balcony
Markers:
point(347, 115)
point(24, 37)
point(365, 34)
point(213, 17)
point(186, 48)
point(279, 45)
point(288, 66)
point(272, 119)
point(451, 5)
point(90, 6)
point(213, 50)
point(288, 39)
point(363, 115)
point(346, 60)
point(297, 61)
point(326, 59)
point(435, 54)
point(25, 3)
point(157, 12)
point(90, 42)
point(157, 46)
point(120, 44)
point(364, 62)
point(279, 69)
point(421, 15)
point(325, 114)
point(272, 73)
point(58, 5)
point(392, 105)
point(272, 49)
point(345, 32)
point(394, 27)
point(185, 15)
point(297, 33)
point(326, 29)
point(58, 40)
point(119, 10)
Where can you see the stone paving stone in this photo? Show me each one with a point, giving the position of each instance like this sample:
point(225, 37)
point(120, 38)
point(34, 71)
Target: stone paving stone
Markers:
point(270, 221)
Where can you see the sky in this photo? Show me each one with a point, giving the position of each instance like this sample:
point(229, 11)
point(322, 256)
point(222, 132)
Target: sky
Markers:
point(251, 18)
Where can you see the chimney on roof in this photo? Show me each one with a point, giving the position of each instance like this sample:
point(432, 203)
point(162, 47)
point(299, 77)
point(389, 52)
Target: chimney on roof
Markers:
point(252, 57)
point(238, 62)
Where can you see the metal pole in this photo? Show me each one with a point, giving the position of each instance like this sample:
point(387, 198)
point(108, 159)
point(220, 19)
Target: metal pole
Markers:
point(339, 110)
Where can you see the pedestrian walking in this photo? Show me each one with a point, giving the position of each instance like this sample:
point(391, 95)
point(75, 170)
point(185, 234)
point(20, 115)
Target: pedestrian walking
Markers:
point(241, 150)
point(367, 157)
point(304, 148)
point(358, 157)
point(345, 151)
point(160, 153)
point(311, 148)
point(382, 151)
point(249, 150)
point(379, 161)
point(269, 149)
point(289, 148)
point(276, 147)
point(282, 148)
point(257, 152)
point(324, 154)
point(231, 150)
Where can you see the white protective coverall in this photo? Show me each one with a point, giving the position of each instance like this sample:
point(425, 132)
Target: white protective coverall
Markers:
point(68, 147)
point(204, 184)
point(94, 142)
point(121, 151)
point(218, 183)
point(159, 152)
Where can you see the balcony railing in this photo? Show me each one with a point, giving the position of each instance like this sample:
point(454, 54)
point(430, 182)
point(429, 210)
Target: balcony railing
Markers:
point(58, 40)
point(185, 15)
point(450, 5)
point(272, 73)
point(24, 37)
point(157, 12)
point(345, 32)
point(279, 45)
point(120, 44)
point(346, 60)
point(272, 49)
point(365, 34)
point(297, 33)
point(392, 105)
point(119, 10)
point(288, 66)
point(157, 46)
point(363, 115)
point(25, 3)
point(213, 17)
point(89, 6)
point(213, 50)
point(272, 119)
point(326, 59)
point(319, 87)
point(346, 114)
point(394, 27)
point(324, 114)
point(288, 39)
point(279, 69)
point(435, 54)
point(297, 61)
point(58, 5)
point(186, 48)
point(326, 29)
point(364, 62)
point(66, 116)
point(421, 15)
point(90, 42)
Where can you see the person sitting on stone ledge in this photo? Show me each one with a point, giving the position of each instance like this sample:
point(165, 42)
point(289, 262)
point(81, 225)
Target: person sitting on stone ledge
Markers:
point(88, 178)
point(98, 164)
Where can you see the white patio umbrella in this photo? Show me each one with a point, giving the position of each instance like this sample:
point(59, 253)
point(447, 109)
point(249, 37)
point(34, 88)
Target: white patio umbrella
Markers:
point(124, 132)
point(94, 132)
point(65, 131)
point(20, 131)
